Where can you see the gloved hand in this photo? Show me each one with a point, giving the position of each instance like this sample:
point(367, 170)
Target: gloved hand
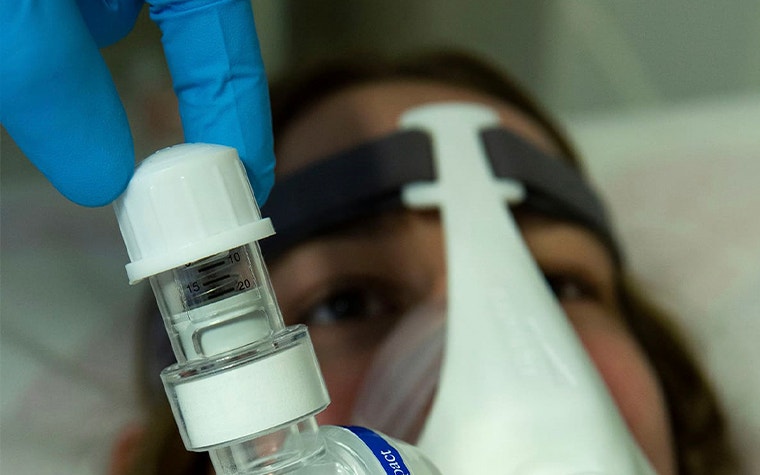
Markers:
point(58, 102)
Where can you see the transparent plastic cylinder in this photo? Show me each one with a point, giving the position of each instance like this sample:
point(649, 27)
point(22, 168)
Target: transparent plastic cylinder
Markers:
point(217, 304)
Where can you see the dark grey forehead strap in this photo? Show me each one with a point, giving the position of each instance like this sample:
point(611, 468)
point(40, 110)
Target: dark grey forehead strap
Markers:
point(368, 179)
point(553, 186)
point(347, 186)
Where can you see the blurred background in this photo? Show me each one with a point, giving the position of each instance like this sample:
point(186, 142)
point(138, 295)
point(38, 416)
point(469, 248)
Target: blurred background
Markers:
point(662, 98)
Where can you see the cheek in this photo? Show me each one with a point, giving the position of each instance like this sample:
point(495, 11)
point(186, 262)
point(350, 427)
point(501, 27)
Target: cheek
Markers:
point(632, 384)
point(343, 368)
point(343, 379)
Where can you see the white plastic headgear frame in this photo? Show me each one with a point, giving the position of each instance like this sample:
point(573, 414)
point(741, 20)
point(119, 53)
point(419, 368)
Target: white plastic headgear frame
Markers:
point(517, 391)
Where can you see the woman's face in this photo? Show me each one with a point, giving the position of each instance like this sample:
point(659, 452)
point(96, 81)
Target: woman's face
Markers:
point(351, 286)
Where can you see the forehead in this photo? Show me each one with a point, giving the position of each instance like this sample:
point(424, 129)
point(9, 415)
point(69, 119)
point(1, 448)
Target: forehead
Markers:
point(360, 113)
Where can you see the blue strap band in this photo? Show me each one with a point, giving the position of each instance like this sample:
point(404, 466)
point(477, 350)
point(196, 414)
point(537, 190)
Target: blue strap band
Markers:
point(386, 454)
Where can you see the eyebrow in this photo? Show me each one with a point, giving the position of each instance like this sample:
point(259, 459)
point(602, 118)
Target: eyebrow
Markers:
point(368, 227)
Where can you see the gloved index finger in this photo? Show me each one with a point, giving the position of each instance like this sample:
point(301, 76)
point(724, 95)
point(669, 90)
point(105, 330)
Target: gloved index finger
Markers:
point(213, 55)
point(59, 104)
point(109, 20)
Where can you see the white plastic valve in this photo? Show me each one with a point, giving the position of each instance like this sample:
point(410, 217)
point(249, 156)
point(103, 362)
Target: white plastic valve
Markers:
point(184, 203)
point(245, 388)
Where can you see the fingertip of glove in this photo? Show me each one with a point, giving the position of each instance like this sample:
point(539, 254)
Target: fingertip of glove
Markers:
point(97, 195)
point(95, 186)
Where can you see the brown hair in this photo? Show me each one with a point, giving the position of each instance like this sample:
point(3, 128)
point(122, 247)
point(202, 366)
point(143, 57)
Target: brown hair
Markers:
point(699, 428)
point(698, 425)
point(161, 451)
point(292, 95)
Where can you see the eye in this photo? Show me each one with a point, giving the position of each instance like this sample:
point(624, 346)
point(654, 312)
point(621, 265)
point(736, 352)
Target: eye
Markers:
point(353, 302)
point(568, 287)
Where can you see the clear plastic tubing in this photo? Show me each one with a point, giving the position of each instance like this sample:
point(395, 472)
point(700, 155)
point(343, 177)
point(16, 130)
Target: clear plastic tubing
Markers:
point(245, 388)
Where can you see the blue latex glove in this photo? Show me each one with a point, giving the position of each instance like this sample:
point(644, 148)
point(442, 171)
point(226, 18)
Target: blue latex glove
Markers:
point(58, 102)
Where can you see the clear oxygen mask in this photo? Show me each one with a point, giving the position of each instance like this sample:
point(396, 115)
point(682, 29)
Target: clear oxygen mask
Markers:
point(398, 389)
point(494, 380)
point(515, 381)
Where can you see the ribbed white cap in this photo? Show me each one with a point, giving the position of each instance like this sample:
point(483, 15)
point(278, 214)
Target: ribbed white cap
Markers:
point(185, 203)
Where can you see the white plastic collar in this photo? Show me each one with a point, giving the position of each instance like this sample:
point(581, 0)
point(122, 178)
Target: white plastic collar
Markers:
point(250, 397)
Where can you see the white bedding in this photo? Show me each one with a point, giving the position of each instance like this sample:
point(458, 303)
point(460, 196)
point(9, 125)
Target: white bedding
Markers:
point(66, 335)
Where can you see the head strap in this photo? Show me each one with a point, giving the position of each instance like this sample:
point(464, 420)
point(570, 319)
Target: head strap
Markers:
point(368, 179)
